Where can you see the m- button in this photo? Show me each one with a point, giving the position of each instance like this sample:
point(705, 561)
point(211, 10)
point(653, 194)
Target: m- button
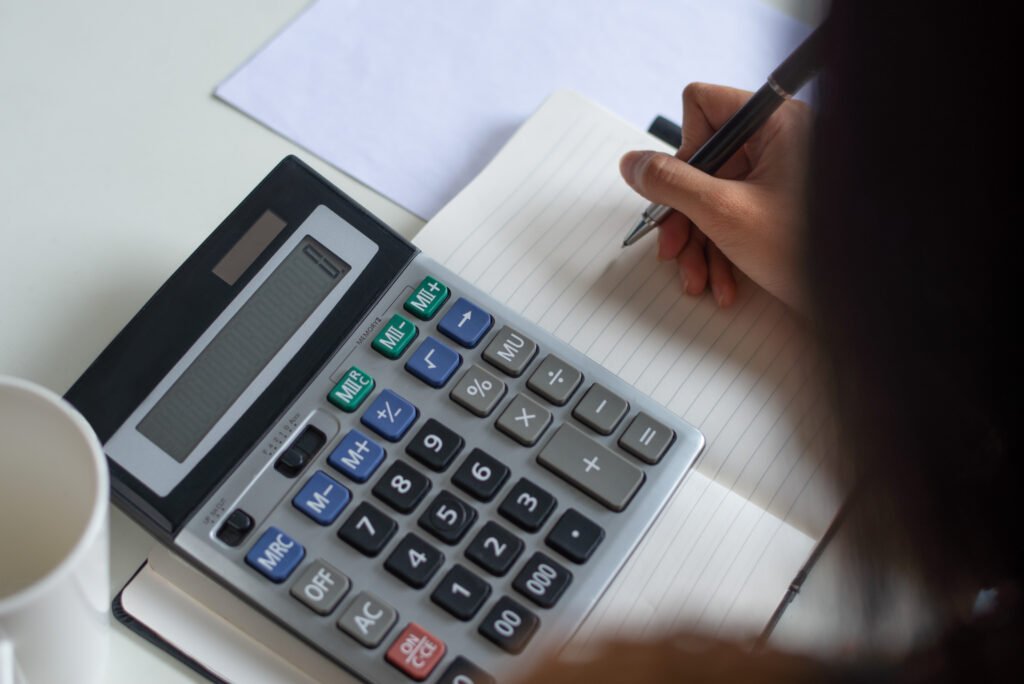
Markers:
point(510, 352)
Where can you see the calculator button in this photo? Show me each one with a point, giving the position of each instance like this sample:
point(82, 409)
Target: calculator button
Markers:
point(367, 619)
point(575, 536)
point(301, 452)
point(433, 362)
point(598, 471)
point(321, 587)
point(322, 498)
point(394, 337)
point(402, 487)
point(414, 561)
point(357, 456)
point(542, 580)
point(427, 298)
point(353, 388)
point(480, 475)
point(555, 380)
point(416, 652)
point(390, 416)
point(527, 505)
point(461, 592)
point(494, 549)
point(448, 518)
point(435, 446)
point(368, 529)
point(600, 409)
point(478, 391)
point(235, 529)
point(509, 625)
point(463, 671)
point(647, 439)
point(524, 420)
point(510, 352)
point(275, 555)
point(466, 323)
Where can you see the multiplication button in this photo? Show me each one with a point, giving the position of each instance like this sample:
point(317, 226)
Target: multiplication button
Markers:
point(647, 439)
point(555, 380)
point(524, 420)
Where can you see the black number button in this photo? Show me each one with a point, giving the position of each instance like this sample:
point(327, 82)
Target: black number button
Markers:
point(435, 446)
point(368, 529)
point(527, 505)
point(461, 592)
point(542, 580)
point(480, 475)
point(463, 671)
point(494, 549)
point(575, 536)
point(402, 487)
point(414, 561)
point(509, 625)
point(447, 518)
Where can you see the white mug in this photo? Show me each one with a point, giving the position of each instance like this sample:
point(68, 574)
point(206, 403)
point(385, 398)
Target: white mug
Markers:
point(54, 537)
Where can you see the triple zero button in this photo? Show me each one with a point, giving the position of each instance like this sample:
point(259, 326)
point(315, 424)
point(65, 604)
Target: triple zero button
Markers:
point(598, 471)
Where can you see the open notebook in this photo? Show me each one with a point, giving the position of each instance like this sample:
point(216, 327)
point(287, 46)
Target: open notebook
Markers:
point(540, 229)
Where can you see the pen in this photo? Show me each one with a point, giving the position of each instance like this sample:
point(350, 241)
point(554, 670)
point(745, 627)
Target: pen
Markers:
point(782, 84)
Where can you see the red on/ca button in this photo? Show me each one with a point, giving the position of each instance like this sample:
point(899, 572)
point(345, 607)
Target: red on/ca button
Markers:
point(416, 652)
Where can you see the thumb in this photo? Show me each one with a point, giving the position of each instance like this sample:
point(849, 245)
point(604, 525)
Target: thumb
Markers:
point(664, 179)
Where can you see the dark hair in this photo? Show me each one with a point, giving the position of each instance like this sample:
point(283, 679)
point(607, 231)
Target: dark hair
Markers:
point(907, 260)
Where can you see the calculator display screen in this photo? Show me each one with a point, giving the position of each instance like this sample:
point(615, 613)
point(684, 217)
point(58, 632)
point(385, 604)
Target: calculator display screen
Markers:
point(242, 348)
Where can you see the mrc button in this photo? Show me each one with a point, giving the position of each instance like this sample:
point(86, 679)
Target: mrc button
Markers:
point(275, 555)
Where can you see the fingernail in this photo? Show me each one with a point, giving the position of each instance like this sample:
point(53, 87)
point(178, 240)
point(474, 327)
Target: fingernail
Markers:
point(684, 279)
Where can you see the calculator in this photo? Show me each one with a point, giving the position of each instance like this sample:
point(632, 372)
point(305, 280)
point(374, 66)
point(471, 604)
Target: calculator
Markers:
point(391, 465)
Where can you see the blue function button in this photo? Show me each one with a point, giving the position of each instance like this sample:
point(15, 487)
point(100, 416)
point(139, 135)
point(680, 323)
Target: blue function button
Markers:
point(466, 323)
point(357, 456)
point(390, 416)
point(322, 498)
point(433, 362)
point(275, 555)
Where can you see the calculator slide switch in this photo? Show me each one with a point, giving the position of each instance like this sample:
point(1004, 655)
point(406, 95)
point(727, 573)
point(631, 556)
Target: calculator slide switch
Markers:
point(297, 456)
point(235, 529)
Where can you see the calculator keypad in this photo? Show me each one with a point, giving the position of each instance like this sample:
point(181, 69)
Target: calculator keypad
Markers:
point(402, 487)
point(414, 561)
point(462, 593)
point(390, 416)
point(435, 446)
point(510, 351)
point(368, 619)
point(509, 625)
point(368, 529)
point(524, 420)
point(321, 587)
point(494, 549)
point(481, 475)
point(527, 505)
point(433, 362)
point(448, 518)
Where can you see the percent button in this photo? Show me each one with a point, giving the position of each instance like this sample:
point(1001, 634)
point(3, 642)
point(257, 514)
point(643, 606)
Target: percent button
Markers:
point(478, 391)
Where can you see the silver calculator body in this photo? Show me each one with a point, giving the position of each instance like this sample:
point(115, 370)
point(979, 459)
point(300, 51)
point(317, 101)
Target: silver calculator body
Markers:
point(405, 474)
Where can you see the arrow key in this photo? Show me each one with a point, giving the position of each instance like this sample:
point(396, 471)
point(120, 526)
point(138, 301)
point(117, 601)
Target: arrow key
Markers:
point(466, 323)
point(433, 362)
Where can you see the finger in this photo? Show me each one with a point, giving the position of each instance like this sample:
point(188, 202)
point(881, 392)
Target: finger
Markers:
point(693, 267)
point(721, 275)
point(706, 108)
point(709, 202)
point(672, 236)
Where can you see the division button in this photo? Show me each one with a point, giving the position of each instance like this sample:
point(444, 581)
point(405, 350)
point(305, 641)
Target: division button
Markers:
point(427, 298)
point(355, 385)
point(402, 487)
point(510, 352)
point(596, 470)
point(394, 337)
point(367, 619)
point(416, 652)
point(433, 362)
point(527, 505)
point(367, 529)
point(322, 498)
point(509, 625)
point(494, 549)
point(357, 456)
point(463, 671)
point(478, 391)
point(575, 536)
point(461, 592)
point(480, 475)
point(321, 587)
point(524, 420)
point(466, 323)
point(647, 439)
point(390, 416)
point(600, 409)
point(555, 380)
point(542, 580)
point(435, 446)
point(275, 555)
point(414, 561)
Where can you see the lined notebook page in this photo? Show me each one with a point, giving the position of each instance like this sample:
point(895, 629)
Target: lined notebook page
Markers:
point(540, 229)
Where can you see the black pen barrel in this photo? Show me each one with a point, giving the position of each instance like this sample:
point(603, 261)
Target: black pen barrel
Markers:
point(736, 131)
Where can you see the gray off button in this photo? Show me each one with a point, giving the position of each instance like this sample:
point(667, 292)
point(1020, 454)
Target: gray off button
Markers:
point(599, 472)
point(321, 587)
point(510, 352)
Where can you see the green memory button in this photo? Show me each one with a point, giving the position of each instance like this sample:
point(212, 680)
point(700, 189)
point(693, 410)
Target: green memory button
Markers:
point(424, 302)
point(394, 337)
point(355, 385)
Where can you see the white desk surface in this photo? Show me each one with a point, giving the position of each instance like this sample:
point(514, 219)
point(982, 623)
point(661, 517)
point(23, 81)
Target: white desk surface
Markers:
point(115, 162)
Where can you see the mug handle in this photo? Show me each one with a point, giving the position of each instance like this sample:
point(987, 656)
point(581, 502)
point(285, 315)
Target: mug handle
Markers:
point(8, 666)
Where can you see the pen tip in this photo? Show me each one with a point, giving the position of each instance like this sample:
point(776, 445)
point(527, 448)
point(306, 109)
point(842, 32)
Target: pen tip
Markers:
point(639, 230)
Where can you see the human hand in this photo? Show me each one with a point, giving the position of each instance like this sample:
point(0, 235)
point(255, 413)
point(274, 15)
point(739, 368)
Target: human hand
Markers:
point(750, 214)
